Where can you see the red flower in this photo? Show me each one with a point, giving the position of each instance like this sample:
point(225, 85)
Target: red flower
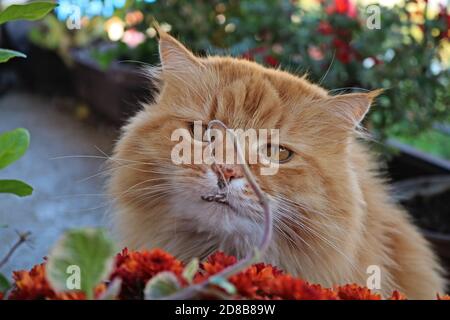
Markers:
point(271, 60)
point(33, 285)
point(250, 54)
point(262, 281)
point(344, 52)
point(344, 7)
point(396, 295)
point(259, 281)
point(315, 53)
point(262, 52)
point(255, 282)
point(135, 268)
point(217, 262)
point(287, 287)
point(355, 292)
point(325, 28)
point(445, 18)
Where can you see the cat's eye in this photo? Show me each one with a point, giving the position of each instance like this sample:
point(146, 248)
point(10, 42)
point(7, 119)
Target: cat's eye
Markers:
point(277, 153)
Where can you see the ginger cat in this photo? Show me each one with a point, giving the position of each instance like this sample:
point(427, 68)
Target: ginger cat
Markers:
point(333, 217)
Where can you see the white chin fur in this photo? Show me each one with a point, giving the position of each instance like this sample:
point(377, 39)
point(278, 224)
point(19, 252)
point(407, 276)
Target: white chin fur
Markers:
point(216, 218)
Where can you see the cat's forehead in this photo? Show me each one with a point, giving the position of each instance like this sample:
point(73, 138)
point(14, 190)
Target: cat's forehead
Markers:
point(247, 95)
point(287, 85)
point(241, 94)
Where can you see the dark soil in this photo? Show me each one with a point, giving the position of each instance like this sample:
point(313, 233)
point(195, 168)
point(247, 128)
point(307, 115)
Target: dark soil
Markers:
point(431, 212)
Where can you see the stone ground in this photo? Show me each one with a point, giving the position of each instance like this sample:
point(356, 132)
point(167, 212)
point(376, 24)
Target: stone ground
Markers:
point(55, 166)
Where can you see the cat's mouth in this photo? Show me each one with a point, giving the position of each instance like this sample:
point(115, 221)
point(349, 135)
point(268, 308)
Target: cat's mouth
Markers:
point(220, 198)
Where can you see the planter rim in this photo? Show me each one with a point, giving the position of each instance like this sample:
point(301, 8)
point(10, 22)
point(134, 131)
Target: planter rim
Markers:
point(435, 235)
point(416, 153)
point(402, 191)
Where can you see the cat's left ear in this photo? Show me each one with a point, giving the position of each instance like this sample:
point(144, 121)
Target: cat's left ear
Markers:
point(352, 107)
point(174, 56)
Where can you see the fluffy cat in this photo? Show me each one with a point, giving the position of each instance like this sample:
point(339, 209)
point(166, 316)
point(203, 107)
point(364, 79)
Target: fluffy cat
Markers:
point(333, 217)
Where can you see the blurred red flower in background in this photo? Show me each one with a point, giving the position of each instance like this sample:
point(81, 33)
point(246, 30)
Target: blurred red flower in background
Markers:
point(444, 17)
point(325, 28)
point(344, 7)
point(341, 36)
point(271, 60)
point(344, 52)
point(264, 53)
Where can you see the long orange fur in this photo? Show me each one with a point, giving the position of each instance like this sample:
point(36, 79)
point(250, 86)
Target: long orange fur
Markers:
point(333, 216)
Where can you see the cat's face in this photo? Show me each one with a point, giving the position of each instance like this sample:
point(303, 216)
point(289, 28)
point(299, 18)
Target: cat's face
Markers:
point(314, 130)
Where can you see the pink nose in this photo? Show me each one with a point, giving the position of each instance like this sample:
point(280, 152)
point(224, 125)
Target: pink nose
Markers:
point(228, 171)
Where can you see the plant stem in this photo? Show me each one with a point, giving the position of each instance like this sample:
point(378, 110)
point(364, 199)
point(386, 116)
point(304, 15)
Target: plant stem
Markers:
point(191, 291)
point(23, 237)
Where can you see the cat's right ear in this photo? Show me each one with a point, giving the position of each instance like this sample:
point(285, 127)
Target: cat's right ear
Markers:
point(350, 109)
point(175, 58)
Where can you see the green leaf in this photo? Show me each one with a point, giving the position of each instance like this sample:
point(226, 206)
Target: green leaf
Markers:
point(162, 285)
point(30, 11)
point(190, 270)
point(4, 283)
point(89, 251)
point(6, 54)
point(13, 145)
point(17, 187)
point(224, 284)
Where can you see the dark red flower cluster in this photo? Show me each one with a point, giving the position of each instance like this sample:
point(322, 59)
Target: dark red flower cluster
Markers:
point(135, 268)
point(325, 28)
point(33, 285)
point(263, 52)
point(344, 52)
point(342, 37)
point(262, 281)
point(444, 18)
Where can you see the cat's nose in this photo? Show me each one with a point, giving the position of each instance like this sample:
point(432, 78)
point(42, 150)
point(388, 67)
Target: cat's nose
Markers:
point(228, 172)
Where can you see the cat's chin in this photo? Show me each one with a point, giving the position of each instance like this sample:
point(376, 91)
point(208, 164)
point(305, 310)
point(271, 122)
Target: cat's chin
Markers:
point(219, 218)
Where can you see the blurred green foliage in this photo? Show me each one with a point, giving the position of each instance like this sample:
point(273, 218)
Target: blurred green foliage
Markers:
point(431, 141)
point(30, 11)
point(13, 145)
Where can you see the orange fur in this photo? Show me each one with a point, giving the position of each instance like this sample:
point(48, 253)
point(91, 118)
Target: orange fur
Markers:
point(333, 215)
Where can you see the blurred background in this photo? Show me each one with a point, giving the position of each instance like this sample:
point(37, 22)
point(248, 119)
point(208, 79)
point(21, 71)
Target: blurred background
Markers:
point(82, 78)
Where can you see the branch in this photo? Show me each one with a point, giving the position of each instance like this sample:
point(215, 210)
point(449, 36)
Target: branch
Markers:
point(23, 237)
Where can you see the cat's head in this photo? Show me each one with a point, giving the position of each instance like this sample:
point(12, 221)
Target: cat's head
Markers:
point(313, 176)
